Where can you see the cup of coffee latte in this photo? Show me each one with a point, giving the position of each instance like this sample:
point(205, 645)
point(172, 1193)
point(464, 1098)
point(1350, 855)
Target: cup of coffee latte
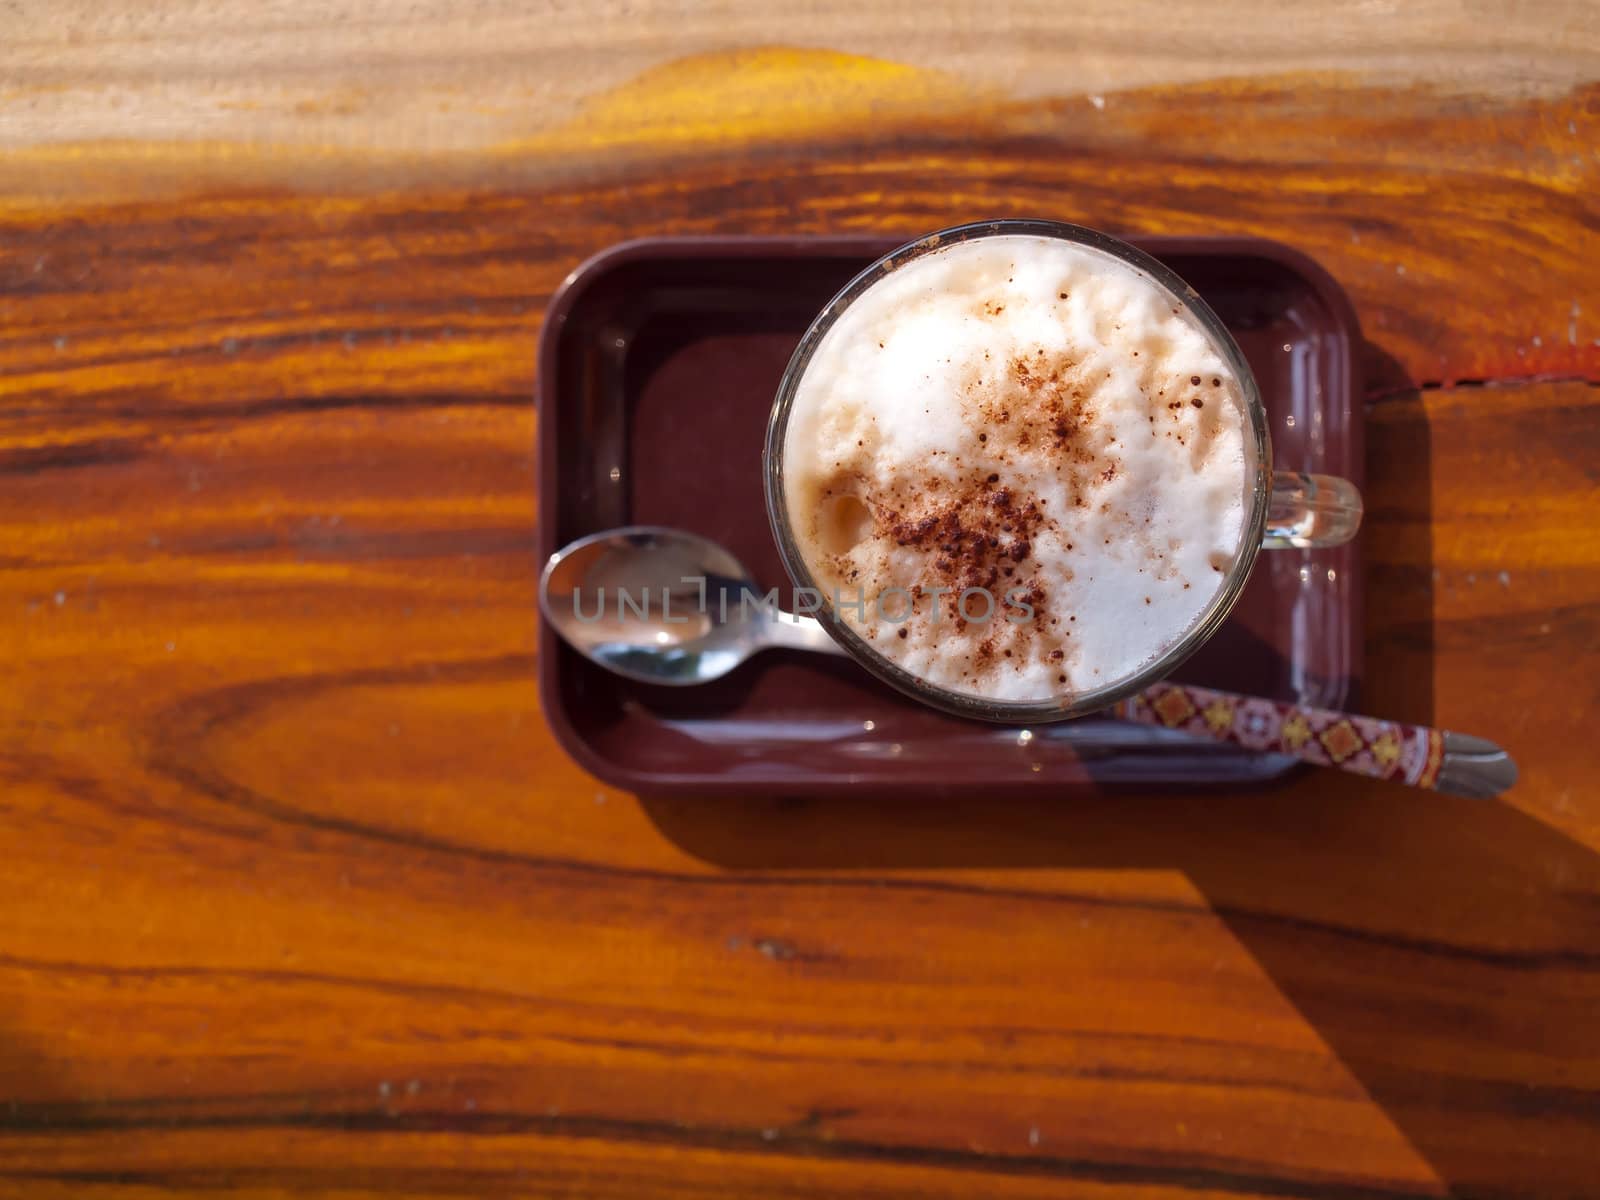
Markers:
point(1026, 472)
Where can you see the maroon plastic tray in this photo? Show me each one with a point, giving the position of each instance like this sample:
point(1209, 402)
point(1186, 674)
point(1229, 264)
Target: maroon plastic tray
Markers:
point(657, 368)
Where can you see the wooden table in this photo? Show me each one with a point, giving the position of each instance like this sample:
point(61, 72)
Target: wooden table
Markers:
point(299, 895)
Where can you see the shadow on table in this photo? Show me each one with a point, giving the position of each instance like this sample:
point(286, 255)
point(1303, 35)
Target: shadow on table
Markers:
point(1444, 949)
point(35, 1095)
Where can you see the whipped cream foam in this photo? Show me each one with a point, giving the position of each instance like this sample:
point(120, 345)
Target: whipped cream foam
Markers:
point(1029, 420)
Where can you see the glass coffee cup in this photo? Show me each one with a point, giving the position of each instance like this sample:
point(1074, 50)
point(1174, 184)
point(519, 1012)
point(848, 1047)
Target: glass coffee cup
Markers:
point(1281, 509)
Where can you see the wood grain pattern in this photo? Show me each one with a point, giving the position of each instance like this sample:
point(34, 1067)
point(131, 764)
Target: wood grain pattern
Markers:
point(428, 75)
point(314, 878)
point(1463, 232)
point(301, 898)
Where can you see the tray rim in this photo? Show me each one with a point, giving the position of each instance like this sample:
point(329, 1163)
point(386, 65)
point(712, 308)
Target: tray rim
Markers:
point(743, 246)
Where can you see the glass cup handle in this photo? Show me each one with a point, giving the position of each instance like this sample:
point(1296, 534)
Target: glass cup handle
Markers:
point(1309, 512)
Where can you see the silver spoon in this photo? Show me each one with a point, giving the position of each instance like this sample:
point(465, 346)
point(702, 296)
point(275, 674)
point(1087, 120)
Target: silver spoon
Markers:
point(692, 614)
point(664, 606)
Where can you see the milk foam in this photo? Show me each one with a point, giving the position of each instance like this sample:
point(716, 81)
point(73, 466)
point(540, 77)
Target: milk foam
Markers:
point(1030, 417)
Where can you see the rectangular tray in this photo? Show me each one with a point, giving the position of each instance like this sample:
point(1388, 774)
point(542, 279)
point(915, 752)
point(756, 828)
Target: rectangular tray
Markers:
point(657, 368)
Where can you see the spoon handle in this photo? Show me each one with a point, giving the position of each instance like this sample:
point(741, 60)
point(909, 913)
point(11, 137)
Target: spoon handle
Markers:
point(1411, 754)
point(1417, 755)
point(792, 631)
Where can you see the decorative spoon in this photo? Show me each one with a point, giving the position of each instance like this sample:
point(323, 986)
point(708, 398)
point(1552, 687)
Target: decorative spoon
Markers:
point(684, 611)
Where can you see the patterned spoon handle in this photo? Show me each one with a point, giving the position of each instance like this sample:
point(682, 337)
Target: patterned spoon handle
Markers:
point(1409, 754)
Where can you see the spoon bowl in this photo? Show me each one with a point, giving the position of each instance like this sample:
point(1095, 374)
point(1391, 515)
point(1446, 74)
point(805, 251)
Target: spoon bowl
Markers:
point(664, 606)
